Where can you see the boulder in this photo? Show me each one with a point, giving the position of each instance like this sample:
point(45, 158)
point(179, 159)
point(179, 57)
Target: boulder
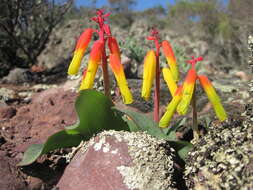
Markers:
point(117, 160)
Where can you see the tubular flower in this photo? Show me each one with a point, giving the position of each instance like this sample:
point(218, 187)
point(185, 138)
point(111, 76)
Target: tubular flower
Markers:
point(171, 108)
point(188, 89)
point(171, 59)
point(94, 60)
point(118, 71)
point(149, 71)
point(167, 75)
point(80, 49)
point(113, 46)
point(213, 97)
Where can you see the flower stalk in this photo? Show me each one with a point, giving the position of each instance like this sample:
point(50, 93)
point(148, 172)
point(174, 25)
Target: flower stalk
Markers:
point(152, 71)
point(194, 116)
point(157, 76)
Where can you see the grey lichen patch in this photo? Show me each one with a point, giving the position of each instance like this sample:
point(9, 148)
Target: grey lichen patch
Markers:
point(152, 167)
point(223, 159)
point(97, 146)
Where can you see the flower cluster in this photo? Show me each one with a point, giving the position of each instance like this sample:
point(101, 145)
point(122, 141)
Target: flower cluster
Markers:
point(98, 55)
point(151, 70)
point(183, 95)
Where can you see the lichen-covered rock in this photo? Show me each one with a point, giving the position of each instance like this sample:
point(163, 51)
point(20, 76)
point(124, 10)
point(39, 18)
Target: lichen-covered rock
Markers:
point(117, 160)
point(223, 159)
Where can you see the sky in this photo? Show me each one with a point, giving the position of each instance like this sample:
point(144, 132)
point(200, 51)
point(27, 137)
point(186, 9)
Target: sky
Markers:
point(140, 5)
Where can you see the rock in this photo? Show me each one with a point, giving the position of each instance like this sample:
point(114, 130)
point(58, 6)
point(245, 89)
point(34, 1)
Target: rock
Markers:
point(120, 161)
point(48, 112)
point(9, 175)
point(7, 112)
point(223, 159)
point(7, 94)
point(61, 44)
point(17, 76)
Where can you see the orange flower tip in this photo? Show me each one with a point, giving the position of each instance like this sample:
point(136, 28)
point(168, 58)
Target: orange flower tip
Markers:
point(80, 49)
point(113, 46)
point(167, 49)
point(179, 90)
point(96, 51)
point(115, 64)
point(84, 39)
point(188, 89)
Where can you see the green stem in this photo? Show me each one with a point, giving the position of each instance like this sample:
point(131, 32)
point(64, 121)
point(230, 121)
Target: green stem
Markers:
point(194, 116)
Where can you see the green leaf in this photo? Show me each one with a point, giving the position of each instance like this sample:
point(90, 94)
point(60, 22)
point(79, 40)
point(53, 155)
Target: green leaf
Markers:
point(60, 139)
point(144, 123)
point(171, 131)
point(95, 114)
point(140, 122)
point(182, 148)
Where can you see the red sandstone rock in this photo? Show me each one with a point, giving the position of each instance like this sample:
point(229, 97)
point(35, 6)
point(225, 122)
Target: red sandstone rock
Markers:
point(7, 112)
point(96, 169)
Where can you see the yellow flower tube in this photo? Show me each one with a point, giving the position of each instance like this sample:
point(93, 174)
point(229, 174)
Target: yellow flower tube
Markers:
point(171, 108)
point(119, 74)
point(188, 89)
point(95, 58)
point(80, 49)
point(149, 72)
point(171, 59)
point(167, 75)
point(213, 97)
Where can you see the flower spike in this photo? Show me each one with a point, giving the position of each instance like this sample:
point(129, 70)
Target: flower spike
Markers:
point(118, 71)
point(171, 108)
point(149, 72)
point(213, 97)
point(94, 60)
point(167, 75)
point(171, 59)
point(80, 49)
point(188, 89)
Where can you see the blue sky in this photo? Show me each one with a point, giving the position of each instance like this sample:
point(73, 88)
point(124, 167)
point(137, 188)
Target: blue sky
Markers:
point(140, 5)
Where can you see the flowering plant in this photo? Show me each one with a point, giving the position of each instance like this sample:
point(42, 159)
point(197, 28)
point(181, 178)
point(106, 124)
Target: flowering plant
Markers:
point(96, 111)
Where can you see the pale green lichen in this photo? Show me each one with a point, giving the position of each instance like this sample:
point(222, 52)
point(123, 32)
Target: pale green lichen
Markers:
point(223, 159)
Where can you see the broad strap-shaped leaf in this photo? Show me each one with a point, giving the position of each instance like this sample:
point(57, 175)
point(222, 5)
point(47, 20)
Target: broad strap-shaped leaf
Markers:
point(95, 114)
point(140, 122)
point(60, 139)
point(144, 123)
